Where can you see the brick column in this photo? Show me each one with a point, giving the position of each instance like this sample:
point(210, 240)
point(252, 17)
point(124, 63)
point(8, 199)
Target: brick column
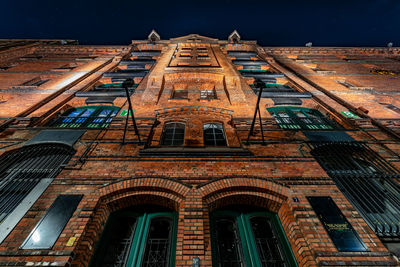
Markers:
point(190, 242)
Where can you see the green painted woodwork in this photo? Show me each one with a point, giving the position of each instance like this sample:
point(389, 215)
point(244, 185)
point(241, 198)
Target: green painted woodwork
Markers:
point(110, 85)
point(140, 234)
point(247, 239)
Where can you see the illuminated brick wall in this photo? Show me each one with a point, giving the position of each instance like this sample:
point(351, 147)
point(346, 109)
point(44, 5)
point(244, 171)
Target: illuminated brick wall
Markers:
point(195, 180)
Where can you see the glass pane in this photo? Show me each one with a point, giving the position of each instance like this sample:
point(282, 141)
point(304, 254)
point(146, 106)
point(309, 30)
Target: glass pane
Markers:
point(49, 228)
point(214, 134)
point(266, 241)
point(88, 112)
point(119, 242)
point(158, 243)
point(174, 134)
point(227, 243)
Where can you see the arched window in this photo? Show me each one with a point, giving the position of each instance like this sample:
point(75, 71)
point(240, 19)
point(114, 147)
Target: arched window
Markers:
point(86, 117)
point(248, 239)
point(133, 238)
point(214, 134)
point(173, 134)
point(24, 175)
point(298, 118)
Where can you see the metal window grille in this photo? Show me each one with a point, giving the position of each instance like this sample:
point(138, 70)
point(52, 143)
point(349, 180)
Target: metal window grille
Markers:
point(266, 239)
point(214, 134)
point(23, 169)
point(86, 117)
point(297, 118)
point(367, 180)
point(229, 247)
point(207, 94)
point(173, 134)
point(158, 243)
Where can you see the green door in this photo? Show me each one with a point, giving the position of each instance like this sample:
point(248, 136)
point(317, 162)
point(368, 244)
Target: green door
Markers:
point(251, 239)
point(137, 239)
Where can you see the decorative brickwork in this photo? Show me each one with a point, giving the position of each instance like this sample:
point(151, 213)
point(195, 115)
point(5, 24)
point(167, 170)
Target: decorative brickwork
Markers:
point(272, 170)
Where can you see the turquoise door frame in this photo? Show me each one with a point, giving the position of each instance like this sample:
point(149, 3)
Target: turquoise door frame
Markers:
point(247, 239)
point(139, 238)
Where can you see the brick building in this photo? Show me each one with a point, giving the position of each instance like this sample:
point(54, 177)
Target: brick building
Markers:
point(155, 154)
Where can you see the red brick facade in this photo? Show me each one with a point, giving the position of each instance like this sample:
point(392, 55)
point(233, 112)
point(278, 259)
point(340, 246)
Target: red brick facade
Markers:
point(194, 179)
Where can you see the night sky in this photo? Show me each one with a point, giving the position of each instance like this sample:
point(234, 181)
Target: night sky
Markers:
point(271, 23)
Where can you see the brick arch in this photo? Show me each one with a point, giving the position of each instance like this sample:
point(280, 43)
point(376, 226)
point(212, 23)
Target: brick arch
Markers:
point(123, 194)
point(253, 191)
point(143, 191)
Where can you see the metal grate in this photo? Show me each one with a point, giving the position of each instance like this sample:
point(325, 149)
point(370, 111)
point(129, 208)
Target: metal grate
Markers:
point(366, 179)
point(268, 247)
point(23, 169)
point(228, 245)
point(157, 252)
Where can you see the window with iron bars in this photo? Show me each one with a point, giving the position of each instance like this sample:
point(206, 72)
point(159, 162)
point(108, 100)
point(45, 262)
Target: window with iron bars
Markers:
point(246, 238)
point(86, 117)
point(298, 118)
point(133, 238)
point(207, 94)
point(367, 180)
point(24, 175)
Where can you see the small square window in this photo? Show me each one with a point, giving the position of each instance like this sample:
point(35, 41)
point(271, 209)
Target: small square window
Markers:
point(180, 94)
point(207, 94)
point(35, 82)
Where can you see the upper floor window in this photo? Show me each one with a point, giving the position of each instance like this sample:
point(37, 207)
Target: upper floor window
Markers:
point(298, 118)
point(180, 94)
point(207, 94)
point(86, 117)
point(35, 82)
point(173, 134)
point(214, 134)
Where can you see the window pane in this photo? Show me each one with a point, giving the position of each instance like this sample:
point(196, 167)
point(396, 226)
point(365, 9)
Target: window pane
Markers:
point(117, 248)
point(157, 252)
point(49, 228)
point(227, 243)
point(90, 117)
point(174, 134)
point(214, 134)
point(267, 243)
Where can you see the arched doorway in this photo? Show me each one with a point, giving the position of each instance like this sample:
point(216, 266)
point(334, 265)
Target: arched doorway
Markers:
point(248, 236)
point(138, 236)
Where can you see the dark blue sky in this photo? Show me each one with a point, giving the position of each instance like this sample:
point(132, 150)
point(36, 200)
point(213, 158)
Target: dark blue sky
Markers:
point(271, 23)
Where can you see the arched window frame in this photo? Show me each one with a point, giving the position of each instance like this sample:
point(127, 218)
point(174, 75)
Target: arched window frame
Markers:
point(86, 117)
point(136, 251)
point(248, 246)
point(214, 141)
point(176, 131)
point(299, 118)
